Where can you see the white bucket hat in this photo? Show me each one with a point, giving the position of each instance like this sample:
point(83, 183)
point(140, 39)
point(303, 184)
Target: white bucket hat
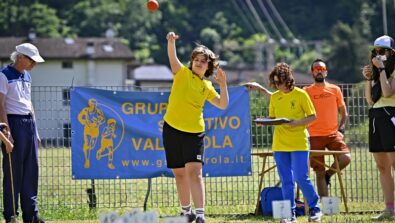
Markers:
point(29, 50)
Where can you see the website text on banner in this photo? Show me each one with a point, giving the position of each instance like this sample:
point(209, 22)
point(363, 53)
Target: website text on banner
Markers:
point(118, 135)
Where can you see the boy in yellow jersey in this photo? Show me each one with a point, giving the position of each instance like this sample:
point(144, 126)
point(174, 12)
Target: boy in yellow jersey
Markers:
point(290, 140)
point(183, 130)
point(380, 94)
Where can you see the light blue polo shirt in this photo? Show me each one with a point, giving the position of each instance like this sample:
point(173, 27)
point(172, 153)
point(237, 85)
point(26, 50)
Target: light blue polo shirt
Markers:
point(16, 87)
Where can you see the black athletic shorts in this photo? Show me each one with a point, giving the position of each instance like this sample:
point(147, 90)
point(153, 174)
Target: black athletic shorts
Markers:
point(381, 130)
point(182, 147)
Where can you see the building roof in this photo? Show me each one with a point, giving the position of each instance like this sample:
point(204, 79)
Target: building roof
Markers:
point(79, 48)
point(154, 72)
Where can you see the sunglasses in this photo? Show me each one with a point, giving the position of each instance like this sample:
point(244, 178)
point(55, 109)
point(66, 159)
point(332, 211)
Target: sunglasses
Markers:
point(319, 69)
point(380, 51)
point(277, 82)
point(31, 60)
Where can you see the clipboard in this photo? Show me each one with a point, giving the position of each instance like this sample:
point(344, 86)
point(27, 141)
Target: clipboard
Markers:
point(271, 121)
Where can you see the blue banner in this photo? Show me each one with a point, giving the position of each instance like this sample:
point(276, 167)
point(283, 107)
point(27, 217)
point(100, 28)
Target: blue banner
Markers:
point(118, 135)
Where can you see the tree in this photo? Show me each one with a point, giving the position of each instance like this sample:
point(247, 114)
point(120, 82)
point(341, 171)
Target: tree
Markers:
point(349, 52)
point(213, 23)
point(302, 64)
point(17, 19)
point(128, 18)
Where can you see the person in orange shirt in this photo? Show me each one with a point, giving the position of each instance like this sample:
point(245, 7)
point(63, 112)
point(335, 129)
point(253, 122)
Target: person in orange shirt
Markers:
point(326, 131)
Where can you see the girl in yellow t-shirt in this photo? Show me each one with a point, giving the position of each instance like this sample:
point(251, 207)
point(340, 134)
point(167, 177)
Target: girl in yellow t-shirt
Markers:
point(291, 140)
point(183, 130)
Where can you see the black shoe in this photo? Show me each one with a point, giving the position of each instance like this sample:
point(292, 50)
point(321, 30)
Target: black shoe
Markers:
point(190, 216)
point(328, 179)
point(200, 220)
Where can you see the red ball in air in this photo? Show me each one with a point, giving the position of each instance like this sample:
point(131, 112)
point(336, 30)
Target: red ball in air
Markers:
point(152, 5)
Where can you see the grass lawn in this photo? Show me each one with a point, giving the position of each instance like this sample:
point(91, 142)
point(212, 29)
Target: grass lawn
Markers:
point(229, 199)
point(78, 216)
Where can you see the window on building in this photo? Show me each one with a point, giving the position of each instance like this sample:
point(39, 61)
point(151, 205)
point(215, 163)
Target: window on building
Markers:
point(66, 134)
point(66, 130)
point(66, 97)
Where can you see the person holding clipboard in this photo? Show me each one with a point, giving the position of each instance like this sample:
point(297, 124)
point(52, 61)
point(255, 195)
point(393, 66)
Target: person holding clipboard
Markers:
point(291, 139)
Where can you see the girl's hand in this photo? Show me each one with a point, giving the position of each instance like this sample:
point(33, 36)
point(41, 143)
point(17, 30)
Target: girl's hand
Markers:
point(220, 77)
point(257, 87)
point(292, 123)
point(171, 36)
point(367, 72)
point(254, 86)
point(377, 62)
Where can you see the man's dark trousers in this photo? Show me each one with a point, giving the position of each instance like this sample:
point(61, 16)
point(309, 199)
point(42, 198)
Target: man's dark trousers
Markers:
point(24, 158)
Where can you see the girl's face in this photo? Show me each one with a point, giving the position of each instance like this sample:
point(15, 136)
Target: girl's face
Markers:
point(280, 85)
point(383, 53)
point(199, 65)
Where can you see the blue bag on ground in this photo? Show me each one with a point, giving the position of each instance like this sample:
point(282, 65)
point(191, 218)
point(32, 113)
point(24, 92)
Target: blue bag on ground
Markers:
point(268, 195)
point(299, 209)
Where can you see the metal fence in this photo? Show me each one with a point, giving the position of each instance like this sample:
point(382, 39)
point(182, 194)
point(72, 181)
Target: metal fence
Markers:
point(58, 190)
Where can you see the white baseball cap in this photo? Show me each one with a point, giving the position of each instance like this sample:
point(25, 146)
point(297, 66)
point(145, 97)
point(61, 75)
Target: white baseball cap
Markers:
point(384, 42)
point(29, 50)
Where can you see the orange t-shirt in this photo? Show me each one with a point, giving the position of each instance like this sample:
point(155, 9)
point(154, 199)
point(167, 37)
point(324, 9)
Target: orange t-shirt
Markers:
point(327, 100)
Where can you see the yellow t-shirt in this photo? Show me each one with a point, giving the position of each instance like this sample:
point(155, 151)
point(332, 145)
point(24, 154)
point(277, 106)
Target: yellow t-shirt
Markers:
point(187, 97)
point(386, 102)
point(294, 105)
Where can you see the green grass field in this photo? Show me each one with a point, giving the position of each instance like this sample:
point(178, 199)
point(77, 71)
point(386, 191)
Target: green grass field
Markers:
point(80, 216)
point(229, 199)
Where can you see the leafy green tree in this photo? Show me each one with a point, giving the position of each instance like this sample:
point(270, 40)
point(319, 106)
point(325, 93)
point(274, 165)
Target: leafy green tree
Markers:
point(210, 37)
point(92, 18)
point(302, 64)
point(17, 19)
point(365, 18)
point(217, 24)
point(128, 18)
point(348, 53)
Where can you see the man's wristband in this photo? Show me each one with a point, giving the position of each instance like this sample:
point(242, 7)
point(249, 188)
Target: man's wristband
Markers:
point(342, 130)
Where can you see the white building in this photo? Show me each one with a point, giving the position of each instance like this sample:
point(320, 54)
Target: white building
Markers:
point(154, 76)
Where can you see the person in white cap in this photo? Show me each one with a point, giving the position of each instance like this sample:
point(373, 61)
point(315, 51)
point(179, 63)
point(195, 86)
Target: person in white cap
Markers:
point(16, 110)
point(380, 94)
